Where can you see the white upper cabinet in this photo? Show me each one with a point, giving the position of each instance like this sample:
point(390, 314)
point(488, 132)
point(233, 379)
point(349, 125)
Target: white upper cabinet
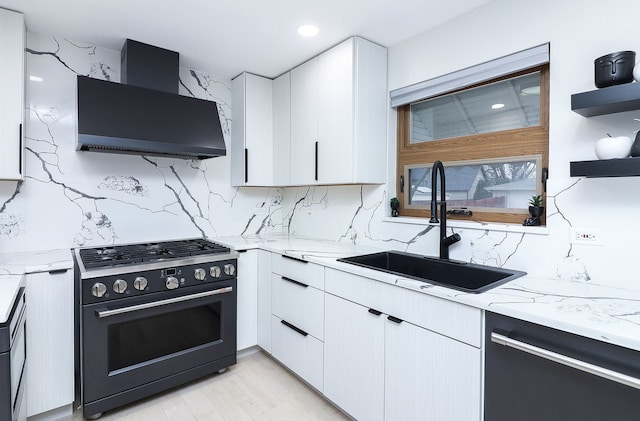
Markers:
point(252, 131)
point(304, 123)
point(281, 129)
point(12, 69)
point(328, 120)
point(338, 116)
point(352, 113)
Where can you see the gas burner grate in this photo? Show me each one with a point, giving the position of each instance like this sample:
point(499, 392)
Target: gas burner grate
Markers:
point(148, 252)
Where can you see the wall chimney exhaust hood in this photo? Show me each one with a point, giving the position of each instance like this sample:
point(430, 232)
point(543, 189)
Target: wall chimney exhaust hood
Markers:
point(144, 115)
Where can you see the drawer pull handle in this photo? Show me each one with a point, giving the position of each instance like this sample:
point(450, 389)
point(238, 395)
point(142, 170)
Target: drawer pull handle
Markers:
point(394, 319)
point(294, 258)
point(375, 312)
point(284, 278)
point(565, 360)
point(58, 271)
point(292, 327)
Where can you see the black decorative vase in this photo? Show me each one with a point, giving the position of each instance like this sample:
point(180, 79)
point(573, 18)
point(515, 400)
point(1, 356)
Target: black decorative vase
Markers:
point(635, 147)
point(535, 212)
point(394, 208)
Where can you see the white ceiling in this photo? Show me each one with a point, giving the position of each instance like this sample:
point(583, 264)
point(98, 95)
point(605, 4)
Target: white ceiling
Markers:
point(227, 37)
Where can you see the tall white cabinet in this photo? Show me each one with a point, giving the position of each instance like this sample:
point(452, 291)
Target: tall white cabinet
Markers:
point(12, 70)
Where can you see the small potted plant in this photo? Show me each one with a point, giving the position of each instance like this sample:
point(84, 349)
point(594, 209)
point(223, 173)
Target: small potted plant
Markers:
point(395, 205)
point(535, 206)
point(535, 210)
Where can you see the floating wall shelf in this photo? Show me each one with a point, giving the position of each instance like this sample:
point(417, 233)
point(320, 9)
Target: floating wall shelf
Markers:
point(612, 99)
point(625, 167)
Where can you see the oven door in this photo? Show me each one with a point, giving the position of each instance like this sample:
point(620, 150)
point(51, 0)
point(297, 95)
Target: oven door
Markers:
point(131, 342)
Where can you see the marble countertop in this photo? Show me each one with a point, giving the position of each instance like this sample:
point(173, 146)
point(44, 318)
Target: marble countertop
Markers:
point(35, 261)
point(585, 308)
point(13, 267)
point(9, 287)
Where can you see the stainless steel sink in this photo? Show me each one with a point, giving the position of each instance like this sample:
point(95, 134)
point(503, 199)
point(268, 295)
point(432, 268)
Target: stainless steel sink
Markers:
point(468, 277)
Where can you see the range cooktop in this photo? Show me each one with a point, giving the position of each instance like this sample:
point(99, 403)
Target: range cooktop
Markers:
point(128, 254)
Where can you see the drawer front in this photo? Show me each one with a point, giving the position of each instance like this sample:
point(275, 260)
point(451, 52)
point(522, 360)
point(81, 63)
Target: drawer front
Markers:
point(455, 320)
point(299, 270)
point(301, 354)
point(299, 304)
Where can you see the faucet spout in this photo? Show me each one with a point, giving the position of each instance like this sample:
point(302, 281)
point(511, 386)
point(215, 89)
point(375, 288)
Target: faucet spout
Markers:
point(445, 242)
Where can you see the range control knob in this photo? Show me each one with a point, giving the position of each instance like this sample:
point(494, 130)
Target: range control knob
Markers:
point(120, 286)
point(229, 269)
point(140, 283)
point(215, 271)
point(172, 282)
point(200, 274)
point(98, 289)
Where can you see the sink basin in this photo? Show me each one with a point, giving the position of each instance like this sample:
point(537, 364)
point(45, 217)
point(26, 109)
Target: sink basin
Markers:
point(462, 276)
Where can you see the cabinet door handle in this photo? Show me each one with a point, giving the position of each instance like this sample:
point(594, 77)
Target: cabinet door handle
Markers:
point(566, 360)
point(20, 150)
point(284, 278)
point(375, 312)
point(58, 271)
point(292, 327)
point(246, 165)
point(294, 258)
point(316, 172)
point(394, 319)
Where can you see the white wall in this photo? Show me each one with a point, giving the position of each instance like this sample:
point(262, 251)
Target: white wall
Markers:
point(578, 31)
point(74, 198)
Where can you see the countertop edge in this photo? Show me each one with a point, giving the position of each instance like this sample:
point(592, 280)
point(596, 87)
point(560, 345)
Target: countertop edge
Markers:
point(548, 302)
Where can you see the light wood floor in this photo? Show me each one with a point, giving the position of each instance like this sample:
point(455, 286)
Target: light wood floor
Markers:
point(256, 388)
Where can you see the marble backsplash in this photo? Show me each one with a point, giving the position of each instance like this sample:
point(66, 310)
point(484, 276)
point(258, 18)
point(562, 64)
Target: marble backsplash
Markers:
point(75, 199)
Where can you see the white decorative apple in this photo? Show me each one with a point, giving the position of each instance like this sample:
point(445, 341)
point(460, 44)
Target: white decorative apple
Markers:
point(636, 72)
point(613, 147)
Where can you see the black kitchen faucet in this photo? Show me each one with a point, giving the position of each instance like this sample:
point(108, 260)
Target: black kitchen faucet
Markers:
point(445, 242)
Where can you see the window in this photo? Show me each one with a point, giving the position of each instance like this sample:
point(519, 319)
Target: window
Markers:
point(492, 138)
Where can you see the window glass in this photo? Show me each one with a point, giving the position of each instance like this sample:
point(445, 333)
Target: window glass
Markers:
point(496, 185)
point(508, 104)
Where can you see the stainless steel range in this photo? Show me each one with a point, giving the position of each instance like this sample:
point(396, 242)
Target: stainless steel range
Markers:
point(152, 316)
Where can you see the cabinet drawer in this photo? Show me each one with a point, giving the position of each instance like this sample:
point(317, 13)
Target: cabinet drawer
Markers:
point(299, 270)
point(299, 304)
point(301, 354)
point(455, 320)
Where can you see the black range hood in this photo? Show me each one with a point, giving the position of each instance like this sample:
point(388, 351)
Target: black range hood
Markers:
point(144, 115)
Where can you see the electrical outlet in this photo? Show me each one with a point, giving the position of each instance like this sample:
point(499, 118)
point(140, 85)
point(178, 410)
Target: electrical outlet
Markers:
point(586, 236)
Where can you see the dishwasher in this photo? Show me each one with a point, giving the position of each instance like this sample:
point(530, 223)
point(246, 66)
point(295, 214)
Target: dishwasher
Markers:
point(533, 372)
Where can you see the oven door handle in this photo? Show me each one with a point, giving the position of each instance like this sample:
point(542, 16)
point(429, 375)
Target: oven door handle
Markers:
point(106, 313)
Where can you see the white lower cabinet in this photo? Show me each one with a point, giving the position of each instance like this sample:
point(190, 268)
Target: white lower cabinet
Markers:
point(354, 358)
point(299, 351)
point(396, 354)
point(50, 346)
point(297, 321)
point(247, 299)
point(264, 300)
point(429, 376)
point(378, 351)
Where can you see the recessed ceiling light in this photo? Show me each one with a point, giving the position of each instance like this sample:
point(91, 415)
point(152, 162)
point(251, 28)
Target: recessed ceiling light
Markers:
point(531, 90)
point(497, 106)
point(308, 30)
point(35, 78)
